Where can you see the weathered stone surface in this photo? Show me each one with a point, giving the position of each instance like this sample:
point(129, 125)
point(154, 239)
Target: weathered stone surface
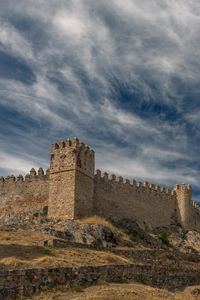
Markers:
point(71, 190)
point(30, 280)
point(94, 235)
point(71, 180)
point(136, 232)
point(21, 196)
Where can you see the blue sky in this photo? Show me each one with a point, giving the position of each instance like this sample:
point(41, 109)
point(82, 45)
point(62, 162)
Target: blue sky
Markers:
point(122, 75)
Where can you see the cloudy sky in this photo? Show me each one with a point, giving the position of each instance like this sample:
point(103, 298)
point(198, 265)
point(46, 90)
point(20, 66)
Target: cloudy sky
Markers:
point(122, 75)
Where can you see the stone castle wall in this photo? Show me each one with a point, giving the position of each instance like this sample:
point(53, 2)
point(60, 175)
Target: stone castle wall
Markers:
point(195, 216)
point(71, 189)
point(62, 177)
point(184, 200)
point(19, 195)
point(71, 179)
point(145, 202)
point(84, 195)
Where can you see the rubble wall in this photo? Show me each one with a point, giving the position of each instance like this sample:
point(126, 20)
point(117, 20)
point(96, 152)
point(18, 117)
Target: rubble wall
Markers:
point(26, 282)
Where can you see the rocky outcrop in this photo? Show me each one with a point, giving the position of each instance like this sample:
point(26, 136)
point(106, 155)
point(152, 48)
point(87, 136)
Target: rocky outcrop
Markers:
point(192, 240)
point(96, 235)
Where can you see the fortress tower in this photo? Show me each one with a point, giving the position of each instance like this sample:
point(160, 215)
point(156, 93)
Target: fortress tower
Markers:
point(70, 189)
point(71, 180)
point(184, 201)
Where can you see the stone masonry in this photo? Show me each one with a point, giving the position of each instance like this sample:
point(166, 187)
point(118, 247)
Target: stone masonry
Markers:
point(73, 190)
point(71, 180)
point(28, 281)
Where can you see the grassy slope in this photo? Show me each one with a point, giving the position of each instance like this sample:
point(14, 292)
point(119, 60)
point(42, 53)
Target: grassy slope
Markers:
point(119, 234)
point(21, 249)
point(115, 292)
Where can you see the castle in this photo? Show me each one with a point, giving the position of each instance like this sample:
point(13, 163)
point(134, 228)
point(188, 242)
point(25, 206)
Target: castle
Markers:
point(70, 188)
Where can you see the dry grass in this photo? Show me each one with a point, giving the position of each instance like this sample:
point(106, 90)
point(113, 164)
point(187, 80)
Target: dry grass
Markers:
point(60, 258)
point(119, 234)
point(23, 237)
point(115, 292)
point(20, 250)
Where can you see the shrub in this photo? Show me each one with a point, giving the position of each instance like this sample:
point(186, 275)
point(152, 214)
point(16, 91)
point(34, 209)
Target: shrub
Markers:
point(164, 237)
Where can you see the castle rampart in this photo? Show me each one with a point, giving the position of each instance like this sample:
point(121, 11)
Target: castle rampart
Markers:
point(21, 194)
point(119, 198)
point(72, 190)
point(71, 179)
point(184, 199)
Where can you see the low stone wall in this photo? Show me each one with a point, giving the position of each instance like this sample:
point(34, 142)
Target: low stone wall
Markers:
point(138, 254)
point(26, 282)
point(144, 254)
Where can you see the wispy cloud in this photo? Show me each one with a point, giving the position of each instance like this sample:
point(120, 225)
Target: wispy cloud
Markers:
point(122, 75)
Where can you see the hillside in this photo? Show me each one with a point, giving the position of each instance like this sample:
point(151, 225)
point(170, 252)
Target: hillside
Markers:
point(65, 257)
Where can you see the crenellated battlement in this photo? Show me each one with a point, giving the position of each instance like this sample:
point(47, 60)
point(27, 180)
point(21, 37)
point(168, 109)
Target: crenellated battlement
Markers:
point(19, 194)
point(116, 197)
point(32, 175)
point(72, 154)
point(183, 188)
point(72, 143)
point(72, 165)
point(196, 206)
point(72, 190)
point(106, 178)
point(184, 198)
